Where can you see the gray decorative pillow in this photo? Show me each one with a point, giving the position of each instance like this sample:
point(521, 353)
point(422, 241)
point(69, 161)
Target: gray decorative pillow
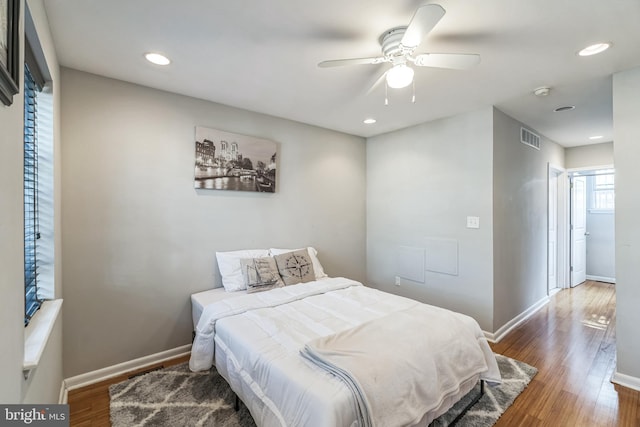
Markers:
point(295, 267)
point(260, 274)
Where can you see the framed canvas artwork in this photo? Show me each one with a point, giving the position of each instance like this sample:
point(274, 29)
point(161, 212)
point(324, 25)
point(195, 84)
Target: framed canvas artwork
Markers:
point(9, 52)
point(229, 161)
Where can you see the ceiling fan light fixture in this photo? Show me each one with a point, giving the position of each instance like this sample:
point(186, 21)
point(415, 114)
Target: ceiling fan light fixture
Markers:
point(399, 76)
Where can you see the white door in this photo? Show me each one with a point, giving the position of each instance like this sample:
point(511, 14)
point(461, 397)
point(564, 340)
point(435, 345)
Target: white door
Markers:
point(578, 230)
point(552, 253)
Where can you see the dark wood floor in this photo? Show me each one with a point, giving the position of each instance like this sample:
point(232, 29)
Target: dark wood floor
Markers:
point(571, 341)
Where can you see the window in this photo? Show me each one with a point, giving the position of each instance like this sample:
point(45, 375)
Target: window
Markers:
point(34, 250)
point(32, 300)
point(42, 310)
point(604, 191)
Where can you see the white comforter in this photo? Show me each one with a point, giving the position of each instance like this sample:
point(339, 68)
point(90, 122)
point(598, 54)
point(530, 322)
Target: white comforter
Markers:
point(261, 336)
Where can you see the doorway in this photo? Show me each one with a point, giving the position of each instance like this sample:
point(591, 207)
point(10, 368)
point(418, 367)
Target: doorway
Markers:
point(592, 228)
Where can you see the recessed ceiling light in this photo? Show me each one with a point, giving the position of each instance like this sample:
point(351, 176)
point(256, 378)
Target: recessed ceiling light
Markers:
point(595, 137)
point(157, 58)
point(369, 121)
point(565, 108)
point(594, 49)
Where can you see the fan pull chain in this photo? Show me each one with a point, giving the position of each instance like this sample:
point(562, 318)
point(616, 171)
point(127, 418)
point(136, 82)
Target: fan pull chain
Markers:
point(413, 96)
point(386, 93)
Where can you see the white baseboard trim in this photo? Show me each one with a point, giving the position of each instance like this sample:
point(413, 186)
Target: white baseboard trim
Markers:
point(515, 322)
point(62, 398)
point(626, 380)
point(601, 279)
point(93, 377)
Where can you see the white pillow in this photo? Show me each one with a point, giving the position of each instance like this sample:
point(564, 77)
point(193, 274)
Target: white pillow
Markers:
point(229, 266)
point(313, 254)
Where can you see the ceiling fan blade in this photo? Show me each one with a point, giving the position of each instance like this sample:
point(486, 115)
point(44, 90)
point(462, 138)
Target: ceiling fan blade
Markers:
point(423, 21)
point(377, 83)
point(455, 61)
point(353, 61)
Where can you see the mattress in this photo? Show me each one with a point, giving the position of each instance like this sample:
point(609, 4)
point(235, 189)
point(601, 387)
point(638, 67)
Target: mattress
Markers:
point(257, 344)
point(202, 299)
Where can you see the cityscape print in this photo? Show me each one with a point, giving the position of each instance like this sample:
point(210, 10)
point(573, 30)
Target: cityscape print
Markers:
point(4, 32)
point(228, 161)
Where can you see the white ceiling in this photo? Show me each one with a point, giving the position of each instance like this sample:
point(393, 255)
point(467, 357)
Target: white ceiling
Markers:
point(262, 56)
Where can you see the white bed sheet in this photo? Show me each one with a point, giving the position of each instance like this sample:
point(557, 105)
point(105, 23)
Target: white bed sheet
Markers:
point(260, 358)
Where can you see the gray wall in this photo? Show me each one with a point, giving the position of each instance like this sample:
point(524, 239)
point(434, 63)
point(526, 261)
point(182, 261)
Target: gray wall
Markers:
point(589, 155)
point(44, 384)
point(139, 239)
point(11, 254)
point(626, 111)
point(422, 183)
point(520, 190)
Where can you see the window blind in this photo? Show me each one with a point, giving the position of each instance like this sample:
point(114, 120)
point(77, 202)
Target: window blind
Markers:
point(31, 224)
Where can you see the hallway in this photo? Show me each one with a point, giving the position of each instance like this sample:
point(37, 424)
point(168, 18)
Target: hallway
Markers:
point(572, 343)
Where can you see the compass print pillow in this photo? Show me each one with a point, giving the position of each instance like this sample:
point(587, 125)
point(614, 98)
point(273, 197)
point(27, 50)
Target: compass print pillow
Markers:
point(295, 267)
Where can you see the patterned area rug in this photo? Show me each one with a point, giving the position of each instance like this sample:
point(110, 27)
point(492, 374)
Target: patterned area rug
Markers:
point(175, 396)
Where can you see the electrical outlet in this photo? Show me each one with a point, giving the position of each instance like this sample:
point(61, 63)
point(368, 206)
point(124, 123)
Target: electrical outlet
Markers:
point(397, 280)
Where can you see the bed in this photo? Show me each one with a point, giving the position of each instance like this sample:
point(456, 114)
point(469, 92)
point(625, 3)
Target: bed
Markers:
point(255, 341)
point(202, 299)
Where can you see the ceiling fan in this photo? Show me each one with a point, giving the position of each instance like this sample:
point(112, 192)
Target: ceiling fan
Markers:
point(398, 46)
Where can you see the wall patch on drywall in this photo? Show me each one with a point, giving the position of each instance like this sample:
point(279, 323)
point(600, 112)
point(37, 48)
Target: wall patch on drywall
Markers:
point(442, 256)
point(229, 161)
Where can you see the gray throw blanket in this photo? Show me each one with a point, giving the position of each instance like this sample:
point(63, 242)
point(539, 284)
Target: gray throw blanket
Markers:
point(404, 365)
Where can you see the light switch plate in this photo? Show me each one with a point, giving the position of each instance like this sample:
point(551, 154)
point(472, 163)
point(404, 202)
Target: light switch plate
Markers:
point(473, 222)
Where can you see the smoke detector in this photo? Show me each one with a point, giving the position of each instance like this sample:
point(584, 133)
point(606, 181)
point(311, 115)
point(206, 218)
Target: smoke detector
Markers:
point(542, 91)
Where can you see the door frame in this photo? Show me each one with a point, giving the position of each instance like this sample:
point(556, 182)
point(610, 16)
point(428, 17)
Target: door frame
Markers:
point(567, 220)
point(562, 238)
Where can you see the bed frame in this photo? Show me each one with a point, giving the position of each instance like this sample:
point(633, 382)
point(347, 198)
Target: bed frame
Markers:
point(469, 406)
point(475, 400)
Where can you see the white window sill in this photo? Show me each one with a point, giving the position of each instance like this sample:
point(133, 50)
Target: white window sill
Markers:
point(601, 211)
point(37, 332)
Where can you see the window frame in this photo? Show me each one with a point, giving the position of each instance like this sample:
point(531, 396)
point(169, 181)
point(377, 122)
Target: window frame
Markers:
point(603, 192)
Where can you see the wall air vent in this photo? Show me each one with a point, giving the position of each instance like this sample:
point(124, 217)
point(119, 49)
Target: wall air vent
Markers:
point(529, 138)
